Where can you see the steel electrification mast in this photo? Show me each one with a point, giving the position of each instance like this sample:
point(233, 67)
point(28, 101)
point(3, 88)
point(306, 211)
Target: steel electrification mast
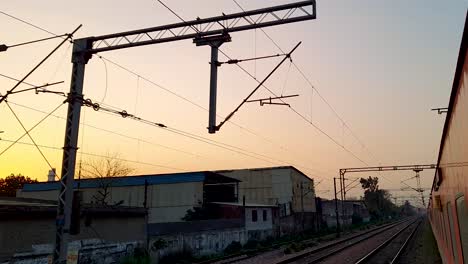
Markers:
point(416, 168)
point(212, 31)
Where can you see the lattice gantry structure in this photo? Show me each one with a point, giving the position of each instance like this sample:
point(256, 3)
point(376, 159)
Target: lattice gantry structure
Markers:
point(213, 32)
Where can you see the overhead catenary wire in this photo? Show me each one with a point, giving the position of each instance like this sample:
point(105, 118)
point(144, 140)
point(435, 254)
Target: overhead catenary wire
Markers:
point(27, 23)
point(39, 64)
point(312, 87)
point(196, 30)
point(219, 144)
point(93, 154)
point(300, 115)
point(112, 132)
point(182, 97)
point(260, 84)
point(205, 109)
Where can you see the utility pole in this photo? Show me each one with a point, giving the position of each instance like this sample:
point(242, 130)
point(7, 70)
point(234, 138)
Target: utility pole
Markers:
point(336, 210)
point(302, 206)
point(213, 29)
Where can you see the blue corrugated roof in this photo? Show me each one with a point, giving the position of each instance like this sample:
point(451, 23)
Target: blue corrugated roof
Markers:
point(123, 181)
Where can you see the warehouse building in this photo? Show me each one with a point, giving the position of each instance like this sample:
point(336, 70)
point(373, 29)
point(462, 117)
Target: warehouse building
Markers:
point(167, 196)
point(287, 187)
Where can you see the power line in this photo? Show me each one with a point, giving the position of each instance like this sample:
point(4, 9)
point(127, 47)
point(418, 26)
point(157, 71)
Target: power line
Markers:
point(39, 64)
point(299, 114)
point(173, 12)
point(313, 87)
point(219, 144)
point(29, 135)
point(33, 127)
point(157, 85)
point(28, 23)
point(200, 107)
point(111, 132)
point(94, 155)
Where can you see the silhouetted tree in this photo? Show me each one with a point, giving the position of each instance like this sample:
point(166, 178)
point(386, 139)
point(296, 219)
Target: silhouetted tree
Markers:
point(370, 184)
point(10, 184)
point(378, 202)
point(105, 170)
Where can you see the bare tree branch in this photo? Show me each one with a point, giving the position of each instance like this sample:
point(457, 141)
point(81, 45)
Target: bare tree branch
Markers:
point(105, 170)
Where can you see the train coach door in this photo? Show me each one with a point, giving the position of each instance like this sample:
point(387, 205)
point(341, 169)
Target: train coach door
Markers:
point(462, 214)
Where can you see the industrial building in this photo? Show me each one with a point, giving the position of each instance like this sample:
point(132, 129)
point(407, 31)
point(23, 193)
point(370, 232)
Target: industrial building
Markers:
point(347, 210)
point(166, 196)
point(287, 187)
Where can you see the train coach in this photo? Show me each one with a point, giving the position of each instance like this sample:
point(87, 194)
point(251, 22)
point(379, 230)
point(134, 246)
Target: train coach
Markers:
point(448, 212)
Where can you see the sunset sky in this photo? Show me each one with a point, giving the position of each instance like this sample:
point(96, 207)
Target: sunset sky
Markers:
point(381, 65)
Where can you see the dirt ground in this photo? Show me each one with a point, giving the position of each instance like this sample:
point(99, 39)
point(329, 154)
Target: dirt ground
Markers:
point(422, 248)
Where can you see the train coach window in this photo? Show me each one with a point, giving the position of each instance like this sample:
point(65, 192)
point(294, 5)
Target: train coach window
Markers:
point(452, 232)
point(462, 214)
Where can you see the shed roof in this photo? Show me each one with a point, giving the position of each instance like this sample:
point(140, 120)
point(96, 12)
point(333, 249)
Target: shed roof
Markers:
point(152, 179)
point(26, 208)
point(270, 168)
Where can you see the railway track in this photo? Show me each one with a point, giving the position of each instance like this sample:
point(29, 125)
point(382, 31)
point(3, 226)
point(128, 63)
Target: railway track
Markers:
point(331, 250)
point(314, 254)
point(391, 250)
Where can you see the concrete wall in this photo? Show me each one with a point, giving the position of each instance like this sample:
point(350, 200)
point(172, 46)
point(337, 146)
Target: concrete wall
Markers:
point(17, 235)
point(166, 202)
point(199, 243)
point(81, 252)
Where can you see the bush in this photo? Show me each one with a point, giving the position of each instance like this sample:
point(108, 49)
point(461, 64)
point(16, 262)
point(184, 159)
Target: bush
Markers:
point(140, 256)
point(251, 244)
point(232, 248)
point(181, 257)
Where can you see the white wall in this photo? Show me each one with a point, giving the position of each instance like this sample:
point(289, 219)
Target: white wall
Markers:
point(259, 224)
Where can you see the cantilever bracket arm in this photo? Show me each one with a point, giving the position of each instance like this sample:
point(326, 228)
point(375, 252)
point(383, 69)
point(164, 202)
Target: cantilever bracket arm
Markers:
point(288, 56)
point(269, 101)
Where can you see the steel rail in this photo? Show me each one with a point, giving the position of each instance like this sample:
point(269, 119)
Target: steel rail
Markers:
point(250, 254)
point(403, 247)
point(370, 233)
point(367, 257)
